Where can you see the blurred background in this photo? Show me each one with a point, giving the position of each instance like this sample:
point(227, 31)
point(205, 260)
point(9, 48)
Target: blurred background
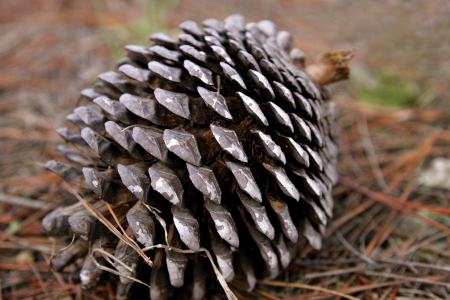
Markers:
point(51, 49)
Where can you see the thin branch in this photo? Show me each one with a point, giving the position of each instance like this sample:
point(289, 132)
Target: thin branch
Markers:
point(22, 201)
point(161, 221)
point(306, 287)
point(352, 249)
point(109, 258)
point(415, 264)
point(440, 280)
point(394, 203)
point(94, 211)
point(61, 250)
point(220, 278)
point(371, 153)
point(354, 289)
point(342, 271)
point(111, 211)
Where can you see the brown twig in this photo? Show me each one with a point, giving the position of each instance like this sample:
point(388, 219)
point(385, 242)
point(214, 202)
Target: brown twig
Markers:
point(94, 211)
point(307, 287)
point(26, 202)
point(392, 202)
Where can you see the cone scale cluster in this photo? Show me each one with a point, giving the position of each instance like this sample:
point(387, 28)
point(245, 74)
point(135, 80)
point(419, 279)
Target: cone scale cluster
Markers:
point(224, 134)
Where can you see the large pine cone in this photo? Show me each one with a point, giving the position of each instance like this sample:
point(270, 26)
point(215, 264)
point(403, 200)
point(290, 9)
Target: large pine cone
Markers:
point(221, 132)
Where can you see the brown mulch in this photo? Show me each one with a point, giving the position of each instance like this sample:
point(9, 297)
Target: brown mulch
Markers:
point(389, 238)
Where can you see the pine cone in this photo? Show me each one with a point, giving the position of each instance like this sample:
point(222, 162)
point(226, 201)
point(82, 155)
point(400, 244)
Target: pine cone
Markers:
point(223, 136)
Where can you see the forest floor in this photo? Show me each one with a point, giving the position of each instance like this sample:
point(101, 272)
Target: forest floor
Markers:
point(390, 235)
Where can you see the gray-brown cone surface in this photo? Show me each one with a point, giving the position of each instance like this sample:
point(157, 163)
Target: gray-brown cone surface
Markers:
point(224, 134)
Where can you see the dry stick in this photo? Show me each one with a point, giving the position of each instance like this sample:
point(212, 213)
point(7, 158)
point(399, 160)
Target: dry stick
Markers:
point(354, 289)
point(381, 234)
point(79, 291)
point(61, 250)
point(307, 287)
point(316, 261)
point(142, 126)
point(371, 154)
point(58, 276)
point(413, 205)
point(394, 203)
point(411, 240)
point(265, 294)
point(428, 241)
point(220, 278)
point(349, 216)
point(342, 271)
point(24, 244)
point(38, 276)
point(352, 249)
point(110, 259)
point(161, 221)
point(238, 293)
point(219, 84)
point(410, 186)
point(22, 201)
point(419, 153)
point(415, 265)
point(442, 210)
point(223, 283)
point(437, 251)
point(140, 251)
point(409, 278)
point(118, 223)
point(370, 219)
point(94, 211)
point(110, 291)
point(347, 283)
point(386, 228)
point(428, 294)
point(395, 164)
point(389, 291)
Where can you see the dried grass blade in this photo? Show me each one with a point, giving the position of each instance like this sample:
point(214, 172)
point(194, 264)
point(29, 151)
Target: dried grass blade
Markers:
point(220, 278)
point(161, 221)
point(394, 203)
point(94, 211)
point(109, 258)
point(61, 250)
point(307, 287)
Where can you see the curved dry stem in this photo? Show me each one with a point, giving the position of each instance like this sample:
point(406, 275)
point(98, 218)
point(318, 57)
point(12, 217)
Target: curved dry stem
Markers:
point(142, 126)
point(135, 246)
point(161, 221)
point(94, 211)
point(307, 287)
point(220, 278)
point(61, 250)
point(110, 259)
